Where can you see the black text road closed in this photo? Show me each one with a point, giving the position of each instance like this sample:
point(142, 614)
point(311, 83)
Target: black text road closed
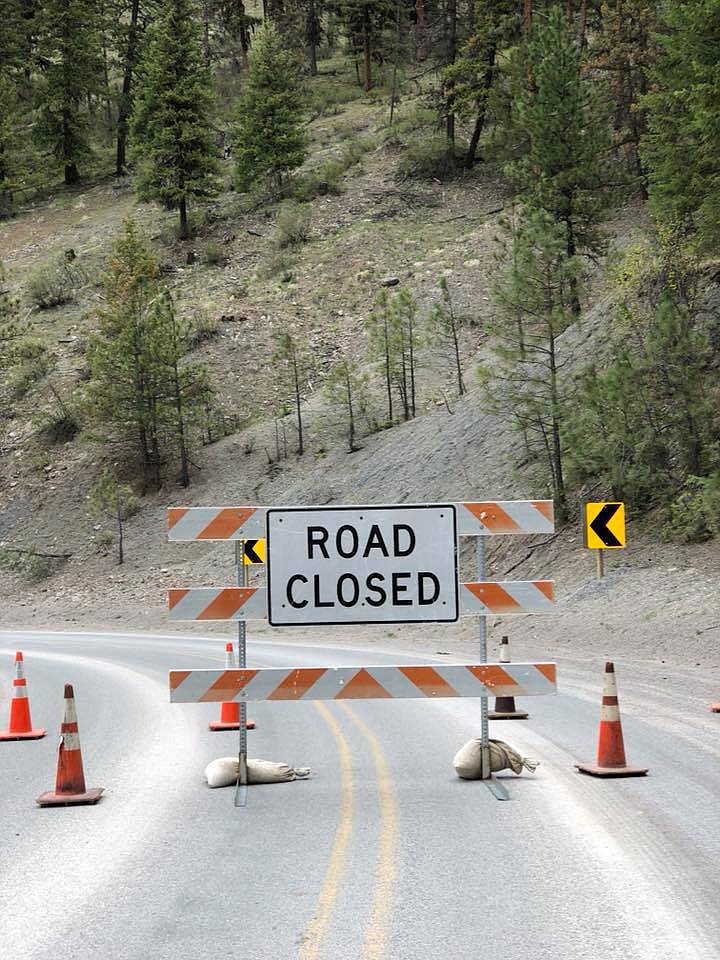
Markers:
point(362, 565)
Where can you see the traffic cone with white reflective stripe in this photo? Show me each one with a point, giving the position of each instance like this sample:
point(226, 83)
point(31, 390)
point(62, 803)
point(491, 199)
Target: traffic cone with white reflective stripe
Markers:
point(715, 707)
point(505, 708)
point(611, 747)
point(20, 726)
point(230, 712)
point(70, 789)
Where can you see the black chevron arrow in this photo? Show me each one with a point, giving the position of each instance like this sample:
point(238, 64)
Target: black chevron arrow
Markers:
point(599, 525)
point(251, 553)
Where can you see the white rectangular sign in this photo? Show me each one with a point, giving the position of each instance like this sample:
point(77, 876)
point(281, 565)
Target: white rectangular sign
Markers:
point(362, 565)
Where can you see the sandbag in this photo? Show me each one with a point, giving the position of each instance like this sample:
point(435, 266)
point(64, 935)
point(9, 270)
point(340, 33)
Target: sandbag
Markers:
point(468, 760)
point(223, 772)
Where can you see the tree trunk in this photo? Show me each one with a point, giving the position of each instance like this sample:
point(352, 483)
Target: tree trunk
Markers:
point(184, 230)
point(351, 412)
point(312, 33)
point(582, 24)
point(482, 110)
point(451, 53)
point(367, 49)
point(420, 30)
point(296, 376)
point(458, 366)
point(388, 372)
point(123, 122)
point(527, 14)
point(121, 551)
point(71, 173)
point(559, 481)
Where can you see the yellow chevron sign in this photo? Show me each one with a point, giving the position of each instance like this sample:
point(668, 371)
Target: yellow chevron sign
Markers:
point(255, 552)
point(604, 526)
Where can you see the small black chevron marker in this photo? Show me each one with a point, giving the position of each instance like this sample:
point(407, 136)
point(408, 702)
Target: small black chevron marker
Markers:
point(599, 525)
point(251, 554)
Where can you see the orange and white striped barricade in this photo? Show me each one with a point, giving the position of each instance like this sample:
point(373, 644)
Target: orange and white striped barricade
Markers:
point(229, 711)
point(363, 683)
point(611, 746)
point(20, 725)
point(490, 598)
point(70, 789)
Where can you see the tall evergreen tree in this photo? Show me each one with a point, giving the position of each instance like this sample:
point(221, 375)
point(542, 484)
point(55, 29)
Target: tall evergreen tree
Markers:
point(172, 136)
point(525, 380)
point(682, 145)
point(563, 165)
point(71, 72)
point(291, 363)
point(269, 140)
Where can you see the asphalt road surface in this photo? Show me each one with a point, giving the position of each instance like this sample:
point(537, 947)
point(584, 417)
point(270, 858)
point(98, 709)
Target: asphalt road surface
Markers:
point(384, 852)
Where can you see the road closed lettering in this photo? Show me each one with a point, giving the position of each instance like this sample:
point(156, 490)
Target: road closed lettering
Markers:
point(362, 565)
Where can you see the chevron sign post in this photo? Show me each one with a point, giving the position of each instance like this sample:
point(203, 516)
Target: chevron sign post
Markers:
point(363, 564)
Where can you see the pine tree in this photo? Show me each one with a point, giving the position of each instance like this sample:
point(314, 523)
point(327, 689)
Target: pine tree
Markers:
point(269, 141)
point(623, 52)
point(473, 72)
point(563, 166)
point(291, 363)
point(346, 396)
point(125, 390)
point(525, 381)
point(445, 332)
point(109, 498)
point(185, 386)
point(394, 340)
point(172, 136)
point(71, 72)
point(682, 145)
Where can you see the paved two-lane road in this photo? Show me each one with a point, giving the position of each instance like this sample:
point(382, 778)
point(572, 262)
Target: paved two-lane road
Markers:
point(383, 853)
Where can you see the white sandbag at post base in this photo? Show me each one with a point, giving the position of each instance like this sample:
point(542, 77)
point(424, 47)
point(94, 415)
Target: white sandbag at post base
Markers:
point(468, 760)
point(223, 772)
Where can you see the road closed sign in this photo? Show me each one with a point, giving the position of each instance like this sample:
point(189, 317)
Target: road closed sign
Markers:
point(334, 565)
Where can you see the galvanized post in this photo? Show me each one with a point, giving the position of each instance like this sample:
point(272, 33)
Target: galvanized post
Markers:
point(241, 788)
point(484, 727)
point(600, 563)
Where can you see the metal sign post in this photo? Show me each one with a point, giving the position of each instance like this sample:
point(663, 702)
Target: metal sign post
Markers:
point(497, 789)
point(242, 780)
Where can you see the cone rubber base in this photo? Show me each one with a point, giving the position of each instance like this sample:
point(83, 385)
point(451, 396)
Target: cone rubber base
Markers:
point(715, 707)
point(30, 735)
point(52, 799)
point(510, 715)
point(595, 771)
point(219, 725)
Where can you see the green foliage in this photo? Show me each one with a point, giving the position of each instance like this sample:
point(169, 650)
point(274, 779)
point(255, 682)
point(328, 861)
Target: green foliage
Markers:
point(291, 364)
point(427, 159)
point(648, 420)
point(30, 362)
point(292, 226)
point(69, 51)
point(111, 499)
point(682, 143)
point(205, 329)
point(54, 283)
point(28, 564)
point(394, 341)
point(172, 136)
point(445, 330)
point(269, 141)
point(347, 403)
point(524, 380)
point(695, 512)
point(214, 254)
point(558, 116)
point(323, 97)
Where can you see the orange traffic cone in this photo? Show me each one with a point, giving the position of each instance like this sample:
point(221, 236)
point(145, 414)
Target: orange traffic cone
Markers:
point(230, 712)
point(611, 748)
point(505, 708)
point(20, 725)
point(715, 707)
point(70, 786)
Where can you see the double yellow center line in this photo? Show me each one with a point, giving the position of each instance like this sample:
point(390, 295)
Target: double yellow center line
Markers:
point(377, 932)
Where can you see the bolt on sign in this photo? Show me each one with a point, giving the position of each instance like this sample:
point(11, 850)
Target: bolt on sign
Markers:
point(604, 526)
point(335, 565)
point(254, 552)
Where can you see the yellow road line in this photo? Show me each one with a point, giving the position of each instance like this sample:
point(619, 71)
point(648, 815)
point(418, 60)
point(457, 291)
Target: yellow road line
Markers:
point(317, 928)
point(377, 932)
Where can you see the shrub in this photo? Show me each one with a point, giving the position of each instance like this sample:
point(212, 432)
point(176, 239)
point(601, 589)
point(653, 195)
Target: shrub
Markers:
point(427, 160)
point(214, 254)
point(207, 328)
point(103, 541)
point(293, 225)
point(58, 426)
point(22, 377)
point(327, 97)
point(695, 512)
point(54, 283)
point(29, 565)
